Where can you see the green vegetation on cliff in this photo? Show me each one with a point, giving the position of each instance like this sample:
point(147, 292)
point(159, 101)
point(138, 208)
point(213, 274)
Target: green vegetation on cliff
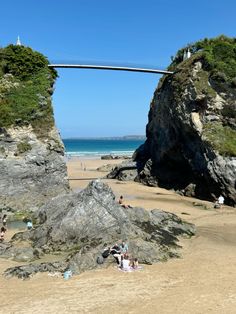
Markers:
point(217, 76)
point(222, 138)
point(26, 85)
point(218, 56)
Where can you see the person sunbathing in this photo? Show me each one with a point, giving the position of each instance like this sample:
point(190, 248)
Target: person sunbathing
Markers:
point(121, 202)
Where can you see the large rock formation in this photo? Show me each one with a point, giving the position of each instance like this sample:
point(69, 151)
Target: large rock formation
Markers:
point(29, 178)
point(191, 133)
point(81, 225)
point(32, 166)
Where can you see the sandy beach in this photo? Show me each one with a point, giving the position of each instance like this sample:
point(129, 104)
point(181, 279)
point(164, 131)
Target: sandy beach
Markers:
point(202, 281)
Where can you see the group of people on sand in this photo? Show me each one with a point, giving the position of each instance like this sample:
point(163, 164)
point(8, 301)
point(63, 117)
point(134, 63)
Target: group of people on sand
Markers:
point(120, 253)
point(3, 229)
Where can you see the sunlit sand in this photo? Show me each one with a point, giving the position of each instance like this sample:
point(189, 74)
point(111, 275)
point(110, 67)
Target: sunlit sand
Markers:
point(202, 281)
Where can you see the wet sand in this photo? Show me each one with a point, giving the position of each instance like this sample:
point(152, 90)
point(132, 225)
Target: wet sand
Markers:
point(202, 281)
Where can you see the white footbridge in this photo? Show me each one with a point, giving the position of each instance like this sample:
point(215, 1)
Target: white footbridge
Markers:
point(108, 67)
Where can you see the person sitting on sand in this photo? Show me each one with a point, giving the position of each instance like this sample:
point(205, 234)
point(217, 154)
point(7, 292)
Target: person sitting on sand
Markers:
point(2, 233)
point(116, 252)
point(121, 202)
point(124, 248)
point(134, 263)
point(126, 263)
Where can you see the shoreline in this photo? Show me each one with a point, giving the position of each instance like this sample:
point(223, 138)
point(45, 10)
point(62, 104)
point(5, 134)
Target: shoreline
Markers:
point(118, 157)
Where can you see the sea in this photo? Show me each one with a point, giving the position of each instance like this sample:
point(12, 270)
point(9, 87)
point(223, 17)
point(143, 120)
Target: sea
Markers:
point(95, 148)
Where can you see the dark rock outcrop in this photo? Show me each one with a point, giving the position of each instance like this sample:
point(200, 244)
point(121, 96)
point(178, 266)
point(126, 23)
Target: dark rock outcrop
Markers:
point(191, 133)
point(27, 271)
point(125, 171)
point(83, 224)
point(111, 157)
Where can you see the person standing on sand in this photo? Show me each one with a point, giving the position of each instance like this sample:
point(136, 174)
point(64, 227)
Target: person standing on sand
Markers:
point(221, 200)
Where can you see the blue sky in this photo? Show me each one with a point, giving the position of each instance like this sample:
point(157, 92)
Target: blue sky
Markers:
point(141, 32)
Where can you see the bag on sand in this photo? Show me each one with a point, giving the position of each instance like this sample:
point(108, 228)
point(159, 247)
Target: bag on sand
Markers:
point(100, 260)
point(105, 253)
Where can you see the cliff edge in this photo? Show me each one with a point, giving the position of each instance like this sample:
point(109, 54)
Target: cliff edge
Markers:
point(191, 132)
point(32, 166)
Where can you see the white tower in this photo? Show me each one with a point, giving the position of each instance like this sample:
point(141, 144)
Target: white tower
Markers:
point(188, 54)
point(18, 43)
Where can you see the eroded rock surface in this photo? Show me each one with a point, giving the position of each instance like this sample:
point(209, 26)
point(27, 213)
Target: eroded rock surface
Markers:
point(83, 224)
point(32, 170)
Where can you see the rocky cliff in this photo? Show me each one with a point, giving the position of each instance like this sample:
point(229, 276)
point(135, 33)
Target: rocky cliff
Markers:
point(32, 167)
point(191, 132)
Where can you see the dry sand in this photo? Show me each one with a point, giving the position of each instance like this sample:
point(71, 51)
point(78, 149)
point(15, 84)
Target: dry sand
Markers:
point(202, 281)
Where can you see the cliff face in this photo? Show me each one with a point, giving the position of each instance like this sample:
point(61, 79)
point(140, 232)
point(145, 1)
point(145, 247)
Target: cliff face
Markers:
point(32, 166)
point(191, 133)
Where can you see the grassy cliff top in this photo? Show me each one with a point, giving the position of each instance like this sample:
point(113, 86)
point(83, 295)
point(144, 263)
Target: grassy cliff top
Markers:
point(218, 56)
point(26, 85)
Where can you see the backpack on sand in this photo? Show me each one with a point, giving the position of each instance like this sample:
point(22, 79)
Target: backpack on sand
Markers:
point(105, 253)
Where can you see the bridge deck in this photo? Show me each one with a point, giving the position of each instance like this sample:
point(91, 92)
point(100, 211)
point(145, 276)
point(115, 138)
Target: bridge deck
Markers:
point(108, 67)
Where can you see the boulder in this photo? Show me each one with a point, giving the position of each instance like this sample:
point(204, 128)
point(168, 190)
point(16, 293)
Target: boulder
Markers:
point(106, 168)
point(126, 171)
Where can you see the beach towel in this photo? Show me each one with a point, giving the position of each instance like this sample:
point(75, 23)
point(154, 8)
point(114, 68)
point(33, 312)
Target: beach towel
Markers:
point(130, 270)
